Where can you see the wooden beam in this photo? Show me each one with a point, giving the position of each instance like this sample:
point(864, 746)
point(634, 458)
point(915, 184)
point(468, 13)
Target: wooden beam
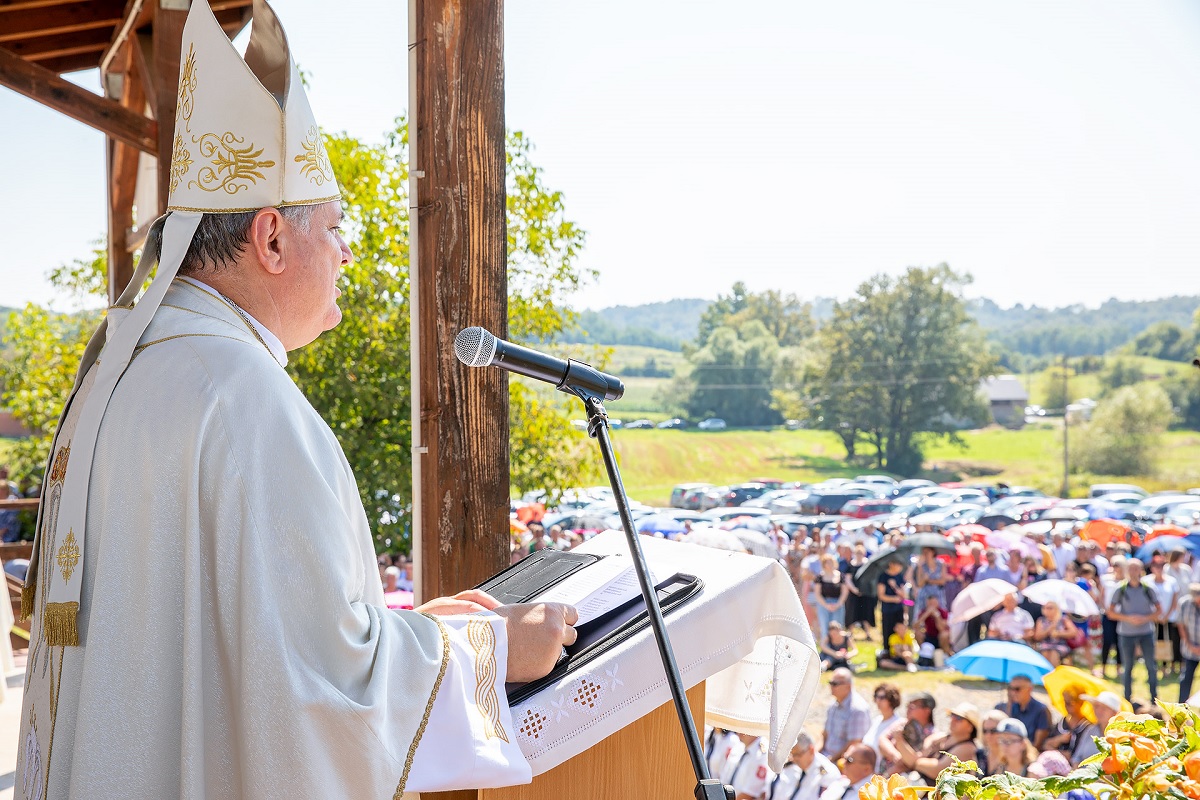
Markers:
point(48, 22)
point(462, 281)
point(22, 5)
point(166, 38)
point(122, 183)
point(35, 48)
point(73, 63)
point(42, 85)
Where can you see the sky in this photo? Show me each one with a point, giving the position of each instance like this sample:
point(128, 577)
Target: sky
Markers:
point(1048, 148)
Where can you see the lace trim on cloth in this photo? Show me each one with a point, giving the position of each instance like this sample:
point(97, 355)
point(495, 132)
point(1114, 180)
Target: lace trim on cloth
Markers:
point(437, 684)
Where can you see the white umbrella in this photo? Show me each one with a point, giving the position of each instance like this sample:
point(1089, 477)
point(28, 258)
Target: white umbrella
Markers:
point(1072, 599)
point(979, 597)
point(715, 538)
point(759, 544)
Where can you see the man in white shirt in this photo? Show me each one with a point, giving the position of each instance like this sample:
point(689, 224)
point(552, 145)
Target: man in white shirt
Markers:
point(746, 768)
point(1062, 551)
point(805, 776)
point(1011, 622)
point(718, 746)
point(857, 768)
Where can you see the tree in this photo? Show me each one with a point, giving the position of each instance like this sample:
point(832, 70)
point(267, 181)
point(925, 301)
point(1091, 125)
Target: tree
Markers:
point(1165, 340)
point(1121, 372)
point(899, 362)
point(785, 317)
point(43, 354)
point(1054, 387)
point(1125, 432)
point(731, 376)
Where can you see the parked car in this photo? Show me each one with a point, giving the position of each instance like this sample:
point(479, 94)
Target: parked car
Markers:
point(639, 424)
point(770, 483)
point(867, 507)
point(711, 498)
point(789, 502)
point(724, 514)
point(711, 424)
point(674, 422)
point(742, 492)
point(1101, 489)
point(832, 503)
point(680, 491)
point(911, 485)
point(948, 517)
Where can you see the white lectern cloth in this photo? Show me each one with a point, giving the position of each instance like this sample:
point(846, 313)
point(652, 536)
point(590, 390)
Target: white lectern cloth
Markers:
point(745, 633)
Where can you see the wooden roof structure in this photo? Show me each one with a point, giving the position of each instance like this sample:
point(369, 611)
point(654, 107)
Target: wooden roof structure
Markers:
point(135, 45)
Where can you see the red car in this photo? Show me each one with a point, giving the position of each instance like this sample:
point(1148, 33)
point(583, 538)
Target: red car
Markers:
point(866, 507)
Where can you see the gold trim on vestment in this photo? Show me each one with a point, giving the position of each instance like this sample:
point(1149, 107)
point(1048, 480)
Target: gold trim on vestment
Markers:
point(28, 593)
point(59, 624)
point(437, 684)
point(284, 204)
point(483, 641)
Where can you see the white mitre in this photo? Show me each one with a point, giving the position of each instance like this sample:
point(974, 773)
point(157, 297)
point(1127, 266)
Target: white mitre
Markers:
point(245, 139)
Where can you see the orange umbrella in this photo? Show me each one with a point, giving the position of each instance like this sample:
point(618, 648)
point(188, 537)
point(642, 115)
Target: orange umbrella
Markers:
point(1103, 531)
point(970, 532)
point(1165, 530)
point(531, 513)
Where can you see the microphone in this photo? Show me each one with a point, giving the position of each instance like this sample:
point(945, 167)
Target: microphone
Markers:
point(475, 347)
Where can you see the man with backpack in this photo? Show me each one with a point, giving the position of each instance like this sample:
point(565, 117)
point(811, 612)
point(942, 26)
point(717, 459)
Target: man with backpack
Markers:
point(1135, 607)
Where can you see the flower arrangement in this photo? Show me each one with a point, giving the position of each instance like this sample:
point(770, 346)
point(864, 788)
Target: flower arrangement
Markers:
point(1141, 758)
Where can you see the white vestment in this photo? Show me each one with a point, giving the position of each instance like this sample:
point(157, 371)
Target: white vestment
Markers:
point(233, 637)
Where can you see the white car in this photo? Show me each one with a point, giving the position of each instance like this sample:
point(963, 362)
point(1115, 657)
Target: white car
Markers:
point(711, 424)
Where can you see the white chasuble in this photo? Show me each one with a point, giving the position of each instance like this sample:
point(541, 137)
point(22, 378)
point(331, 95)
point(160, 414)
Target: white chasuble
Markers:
point(233, 638)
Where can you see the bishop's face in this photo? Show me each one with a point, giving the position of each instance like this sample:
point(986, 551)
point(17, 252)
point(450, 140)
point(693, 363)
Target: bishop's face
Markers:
point(315, 264)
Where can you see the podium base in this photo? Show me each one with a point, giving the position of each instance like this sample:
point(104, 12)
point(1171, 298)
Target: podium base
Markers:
point(647, 759)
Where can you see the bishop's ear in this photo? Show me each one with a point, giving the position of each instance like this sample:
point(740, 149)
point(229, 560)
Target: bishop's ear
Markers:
point(265, 239)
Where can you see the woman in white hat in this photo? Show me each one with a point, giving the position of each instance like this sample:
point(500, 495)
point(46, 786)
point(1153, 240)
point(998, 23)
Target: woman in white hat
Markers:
point(935, 756)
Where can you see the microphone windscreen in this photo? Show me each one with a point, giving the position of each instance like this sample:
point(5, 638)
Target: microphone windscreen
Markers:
point(475, 347)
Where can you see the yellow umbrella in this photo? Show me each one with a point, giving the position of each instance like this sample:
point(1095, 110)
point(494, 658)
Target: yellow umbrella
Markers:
point(1063, 678)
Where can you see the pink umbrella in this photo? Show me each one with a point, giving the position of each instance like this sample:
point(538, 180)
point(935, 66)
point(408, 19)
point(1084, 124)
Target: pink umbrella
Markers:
point(1005, 540)
point(979, 597)
point(400, 599)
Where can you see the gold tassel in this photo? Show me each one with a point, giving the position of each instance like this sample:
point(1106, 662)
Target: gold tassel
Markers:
point(28, 592)
point(59, 624)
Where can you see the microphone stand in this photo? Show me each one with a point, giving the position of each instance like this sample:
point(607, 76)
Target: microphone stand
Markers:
point(707, 788)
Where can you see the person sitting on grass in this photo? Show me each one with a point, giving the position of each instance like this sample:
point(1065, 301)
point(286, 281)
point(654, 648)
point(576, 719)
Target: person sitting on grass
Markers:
point(1054, 634)
point(1011, 622)
point(932, 625)
point(837, 649)
point(1065, 734)
point(1016, 751)
point(937, 753)
point(901, 653)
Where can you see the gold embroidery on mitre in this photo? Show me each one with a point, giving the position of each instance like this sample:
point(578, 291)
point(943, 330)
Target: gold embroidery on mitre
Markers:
point(187, 91)
point(483, 641)
point(181, 162)
point(58, 472)
point(68, 556)
point(315, 160)
point(230, 164)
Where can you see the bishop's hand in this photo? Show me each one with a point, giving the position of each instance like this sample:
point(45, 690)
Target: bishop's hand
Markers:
point(537, 633)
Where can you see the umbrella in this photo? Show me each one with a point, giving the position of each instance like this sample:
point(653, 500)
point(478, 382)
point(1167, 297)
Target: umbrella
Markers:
point(1170, 544)
point(399, 599)
point(1103, 510)
point(868, 574)
point(1062, 678)
point(1071, 598)
point(1001, 661)
point(1165, 530)
point(919, 541)
point(978, 597)
point(760, 524)
point(995, 521)
point(660, 523)
point(1010, 540)
point(970, 531)
point(1065, 513)
point(715, 538)
point(1103, 531)
point(757, 543)
point(582, 522)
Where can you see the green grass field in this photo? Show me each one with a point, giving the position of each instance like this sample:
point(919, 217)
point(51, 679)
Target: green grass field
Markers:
point(653, 461)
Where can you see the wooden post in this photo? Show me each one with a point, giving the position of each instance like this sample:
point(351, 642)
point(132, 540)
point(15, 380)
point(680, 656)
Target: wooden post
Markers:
point(167, 37)
point(122, 178)
point(461, 280)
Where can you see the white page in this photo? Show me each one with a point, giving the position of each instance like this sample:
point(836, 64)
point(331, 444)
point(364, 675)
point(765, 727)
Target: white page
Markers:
point(597, 588)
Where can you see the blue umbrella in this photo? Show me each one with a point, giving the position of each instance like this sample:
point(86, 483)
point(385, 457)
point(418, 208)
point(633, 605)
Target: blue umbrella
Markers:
point(1001, 661)
point(1167, 544)
point(660, 523)
point(1118, 511)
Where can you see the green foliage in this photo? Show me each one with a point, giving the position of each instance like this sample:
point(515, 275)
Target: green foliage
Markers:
point(1167, 341)
point(787, 319)
point(667, 324)
point(899, 362)
point(731, 376)
point(1055, 390)
point(1121, 372)
point(543, 444)
point(1126, 430)
point(1184, 391)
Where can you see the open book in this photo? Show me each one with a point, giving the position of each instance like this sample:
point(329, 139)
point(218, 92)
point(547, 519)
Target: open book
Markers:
point(597, 588)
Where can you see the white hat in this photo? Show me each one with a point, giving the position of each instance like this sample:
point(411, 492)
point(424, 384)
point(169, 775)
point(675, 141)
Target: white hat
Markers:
point(1107, 699)
point(245, 139)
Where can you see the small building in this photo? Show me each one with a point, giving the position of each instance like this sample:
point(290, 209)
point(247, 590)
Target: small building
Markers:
point(1006, 398)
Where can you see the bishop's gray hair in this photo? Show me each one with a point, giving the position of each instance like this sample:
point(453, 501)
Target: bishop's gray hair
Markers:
point(221, 238)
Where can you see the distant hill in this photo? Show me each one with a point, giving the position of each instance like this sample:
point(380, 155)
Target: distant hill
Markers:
point(1029, 330)
point(664, 325)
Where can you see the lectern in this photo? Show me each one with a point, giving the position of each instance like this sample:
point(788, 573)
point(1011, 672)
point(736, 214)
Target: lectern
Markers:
point(645, 760)
point(609, 730)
